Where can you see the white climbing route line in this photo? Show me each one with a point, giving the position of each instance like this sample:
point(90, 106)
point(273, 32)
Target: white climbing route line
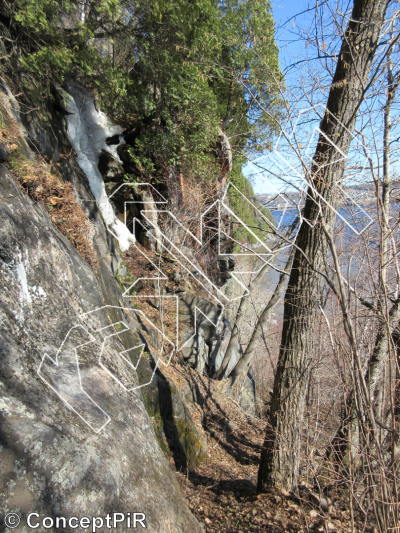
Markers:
point(64, 374)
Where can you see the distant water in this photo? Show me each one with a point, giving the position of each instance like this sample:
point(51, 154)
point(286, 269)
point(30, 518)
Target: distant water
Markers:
point(284, 218)
point(355, 220)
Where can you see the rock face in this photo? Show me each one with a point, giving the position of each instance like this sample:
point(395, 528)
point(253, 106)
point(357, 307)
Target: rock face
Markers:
point(209, 330)
point(87, 131)
point(75, 436)
point(51, 460)
point(171, 412)
point(85, 415)
point(206, 349)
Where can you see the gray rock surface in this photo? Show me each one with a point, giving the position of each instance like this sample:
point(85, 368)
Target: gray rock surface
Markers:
point(206, 349)
point(246, 394)
point(51, 461)
point(203, 319)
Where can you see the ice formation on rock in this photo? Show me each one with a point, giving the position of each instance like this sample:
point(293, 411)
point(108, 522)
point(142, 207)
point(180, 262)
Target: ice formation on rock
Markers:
point(87, 130)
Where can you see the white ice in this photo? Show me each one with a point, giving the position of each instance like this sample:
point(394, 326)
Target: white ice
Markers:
point(21, 276)
point(87, 130)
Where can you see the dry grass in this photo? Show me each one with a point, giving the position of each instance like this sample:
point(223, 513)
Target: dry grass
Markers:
point(165, 317)
point(221, 490)
point(44, 184)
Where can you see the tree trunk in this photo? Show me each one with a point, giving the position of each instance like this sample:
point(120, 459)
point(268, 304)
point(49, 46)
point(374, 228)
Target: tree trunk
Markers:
point(389, 322)
point(281, 454)
point(220, 374)
point(396, 339)
point(390, 318)
point(265, 316)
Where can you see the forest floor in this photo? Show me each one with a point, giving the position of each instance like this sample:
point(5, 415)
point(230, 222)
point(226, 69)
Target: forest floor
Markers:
point(222, 490)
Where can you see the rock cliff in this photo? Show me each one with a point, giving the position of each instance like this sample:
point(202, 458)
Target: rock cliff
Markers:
point(88, 417)
point(76, 439)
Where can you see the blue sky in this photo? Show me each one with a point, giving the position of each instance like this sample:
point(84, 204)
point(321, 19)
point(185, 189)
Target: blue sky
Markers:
point(291, 17)
point(292, 49)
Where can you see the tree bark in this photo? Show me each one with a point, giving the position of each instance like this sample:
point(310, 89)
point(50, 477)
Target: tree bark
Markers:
point(280, 457)
point(396, 339)
point(390, 318)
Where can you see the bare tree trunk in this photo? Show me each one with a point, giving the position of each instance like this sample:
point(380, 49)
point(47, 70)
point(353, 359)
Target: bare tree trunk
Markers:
point(396, 424)
point(281, 454)
point(84, 9)
point(381, 350)
point(264, 318)
point(221, 372)
point(345, 439)
point(389, 319)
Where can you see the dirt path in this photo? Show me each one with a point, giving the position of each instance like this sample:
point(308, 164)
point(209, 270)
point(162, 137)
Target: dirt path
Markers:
point(222, 489)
